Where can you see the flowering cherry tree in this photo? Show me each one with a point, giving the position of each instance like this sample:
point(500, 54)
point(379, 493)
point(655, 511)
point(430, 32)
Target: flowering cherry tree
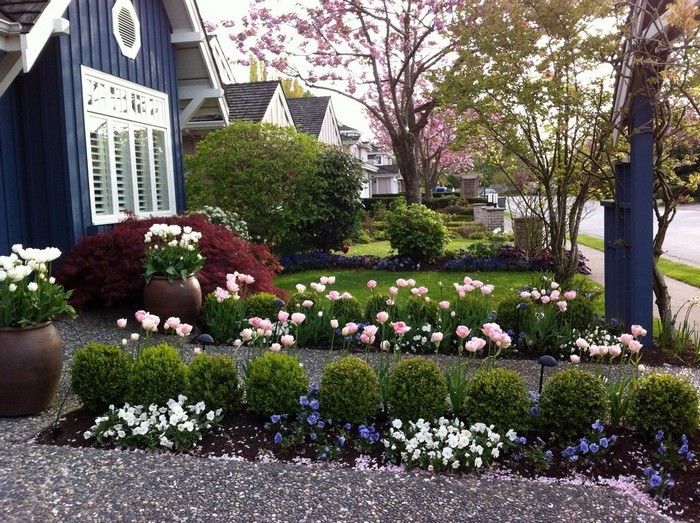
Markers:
point(436, 151)
point(375, 52)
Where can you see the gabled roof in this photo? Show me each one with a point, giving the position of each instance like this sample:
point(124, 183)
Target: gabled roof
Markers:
point(250, 101)
point(23, 13)
point(309, 113)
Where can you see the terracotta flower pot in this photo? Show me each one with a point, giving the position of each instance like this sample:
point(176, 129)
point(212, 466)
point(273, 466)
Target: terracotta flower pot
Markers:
point(31, 361)
point(181, 299)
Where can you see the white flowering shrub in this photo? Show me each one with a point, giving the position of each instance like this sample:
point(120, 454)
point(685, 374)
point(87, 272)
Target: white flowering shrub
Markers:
point(177, 426)
point(445, 445)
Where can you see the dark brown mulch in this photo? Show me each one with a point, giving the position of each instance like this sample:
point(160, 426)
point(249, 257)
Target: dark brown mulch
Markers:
point(244, 437)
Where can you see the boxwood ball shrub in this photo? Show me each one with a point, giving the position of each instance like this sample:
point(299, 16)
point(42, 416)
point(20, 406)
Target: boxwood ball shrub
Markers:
point(416, 311)
point(513, 313)
point(349, 391)
point(213, 379)
point(346, 310)
point(297, 298)
point(274, 382)
point(416, 232)
point(375, 303)
point(666, 402)
point(417, 389)
point(99, 375)
point(158, 375)
point(570, 402)
point(263, 305)
point(499, 397)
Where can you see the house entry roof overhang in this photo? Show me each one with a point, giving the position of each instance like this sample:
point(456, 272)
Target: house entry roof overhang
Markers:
point(25, 27)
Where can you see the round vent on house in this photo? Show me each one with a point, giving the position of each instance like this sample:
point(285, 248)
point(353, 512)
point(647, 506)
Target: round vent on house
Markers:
point(126, 28)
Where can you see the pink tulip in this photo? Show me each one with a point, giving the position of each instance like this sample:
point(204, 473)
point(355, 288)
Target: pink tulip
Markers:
point(504, 341)
point(635, 346)
point(334, 324)
point(324, 280)
point(249, 279)
point(570, 295)
point(351, 327)
point(475, 345)
point(554, 285)
point(287, 340)
point(140, 315)
point(382, 317)
point(400, 328)
point(237, 342)
point(401, 282)
point(232, 286)
point(436, 337)
point(320, 288)
point(333, 295)
point(393, 291)
point(183, 329)
point(121, 323)
point(302, 288)
point(298, 318)
point(477, 284)
point(221, 294)
point(638, 331)
point(626, 338)
point(371, 284)
point(535, 295)
point(422, 290)
point(367, 339)
point(255, 321)
point(247, 334)
point(415, 291)
point(307, 304)
point(282, 316)
point(172, 323)
point(371, 330)
point(525, 295)
point(266, 325)
point(581, 343)
point(487, 289)
point(345, 296)
point(444, 305)
point(562, 305)
point(614, 351)
point(462, 331)
point(545, 299)
point(487, 328)
point(554, 295)
point(331, 280)
point(575, 359)
point(411, 282)
point(275, 347)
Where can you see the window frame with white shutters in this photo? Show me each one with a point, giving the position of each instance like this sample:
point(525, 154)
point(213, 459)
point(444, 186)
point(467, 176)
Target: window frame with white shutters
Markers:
point(129, 148)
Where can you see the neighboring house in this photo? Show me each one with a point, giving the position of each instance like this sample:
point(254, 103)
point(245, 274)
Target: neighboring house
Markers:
point(314, 115)
point(354, 145)
point(379, 156)
point(387, 180)
point(259, 102)
point(94, 95)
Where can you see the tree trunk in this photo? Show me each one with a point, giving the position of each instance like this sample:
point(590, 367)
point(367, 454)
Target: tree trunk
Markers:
point(405, 151)
point(663, 302)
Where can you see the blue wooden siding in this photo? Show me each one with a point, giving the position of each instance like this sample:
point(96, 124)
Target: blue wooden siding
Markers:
point(44, 186)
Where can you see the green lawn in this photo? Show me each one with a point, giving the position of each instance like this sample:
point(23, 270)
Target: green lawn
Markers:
point(382, 249)
point(679, 271)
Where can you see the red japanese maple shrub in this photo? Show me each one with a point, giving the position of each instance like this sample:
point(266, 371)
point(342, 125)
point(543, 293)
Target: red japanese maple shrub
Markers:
point(105, 269)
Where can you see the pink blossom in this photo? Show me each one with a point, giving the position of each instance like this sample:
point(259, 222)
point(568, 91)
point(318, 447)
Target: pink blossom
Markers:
point(502, 340)
point(475, 344)
point(121, 323)
point(287, 340)
point(382, 317)
point(415, 291)
point(350, 327)
point(249, 279)
point(140, 315)
point(266, 325)
point(237, 342)
point(570, 295)
point(581, 343)
point(575, 359)
point(247, 334)
point(462, 331)
point(221, 294)
point(487, 289)
point(594, 350)
point(626, 338)
point(255, 321)
point(525, 295)
point(172, 323)
point(324, 280)
point(562, 305)
point(535, 295)
point(436, 337)
point(371, 284)
point(467, 280)
point(307, 304)
point(488, 328)
point(614, 351)
point(400, 328)
point(554, 285)
point(183, 329)
point(444, 304)
point(334, 324)
point(320, 288)
point(333, 295)
point(371, 330)
point(298, 318)
point(477, 284)
point(331, 280)
point(345, 296)
point(554, 295)
point(275, 347)
point(393, 291)
point(302, 288)
point(150, 323)
point(282, 316)
point(635, 346)
point(232, 286)
point(401, 283)
point(638, 331)
point(545, 299)
point(411, 282)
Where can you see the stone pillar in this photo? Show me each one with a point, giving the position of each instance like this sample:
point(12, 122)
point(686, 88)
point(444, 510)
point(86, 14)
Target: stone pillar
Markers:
point(491, 217)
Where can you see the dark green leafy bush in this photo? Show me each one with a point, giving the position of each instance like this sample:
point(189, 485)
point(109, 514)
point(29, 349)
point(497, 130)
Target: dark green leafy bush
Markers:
point(158, 375)
point(416, 232)
point(416, 311)
point(224, 319)
point(213, 379)
point(349, 391)
point(514, 313)
point(570, 402)
point(375, 303)
point(274, 382)
point(297, 298)
point(664, 402)
point(499, 397)
point(99, 376)
point(346, 310)
point(263, 305)
point(417, 389)
point(580, 313)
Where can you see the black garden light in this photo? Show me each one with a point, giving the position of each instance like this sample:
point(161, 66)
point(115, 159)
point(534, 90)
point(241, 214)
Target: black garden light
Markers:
point(545, 361)
point(205, 340)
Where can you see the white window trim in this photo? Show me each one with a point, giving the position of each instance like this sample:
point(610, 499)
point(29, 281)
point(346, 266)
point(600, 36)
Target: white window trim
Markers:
point(163, 123)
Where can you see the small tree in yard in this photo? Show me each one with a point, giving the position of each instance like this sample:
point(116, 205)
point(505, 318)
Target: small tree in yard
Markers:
point(527, 73)
point(375, 52)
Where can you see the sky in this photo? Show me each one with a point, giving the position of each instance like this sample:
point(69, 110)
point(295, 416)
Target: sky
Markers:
point(348, 112)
